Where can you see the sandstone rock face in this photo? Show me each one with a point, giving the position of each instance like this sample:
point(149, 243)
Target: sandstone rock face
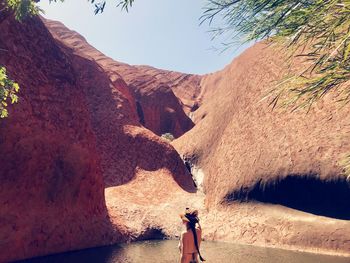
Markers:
point(250, 153)
point(78, 169)
point(74, 130)
point(122, 146)
point(162, 99)
point(51, 187)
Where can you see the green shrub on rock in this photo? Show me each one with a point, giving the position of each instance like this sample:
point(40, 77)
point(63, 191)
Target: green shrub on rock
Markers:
point(168, 136)
point(8, 92)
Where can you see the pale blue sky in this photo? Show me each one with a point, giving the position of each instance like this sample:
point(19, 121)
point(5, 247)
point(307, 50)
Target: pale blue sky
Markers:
point(160, 33)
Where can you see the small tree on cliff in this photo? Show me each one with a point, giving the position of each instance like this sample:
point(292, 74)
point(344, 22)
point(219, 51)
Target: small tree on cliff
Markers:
point(319, 30)
point(24, 8)
point(168, 136)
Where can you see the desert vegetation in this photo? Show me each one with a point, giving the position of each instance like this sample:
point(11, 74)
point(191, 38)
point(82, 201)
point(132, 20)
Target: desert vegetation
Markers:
point(168, 136)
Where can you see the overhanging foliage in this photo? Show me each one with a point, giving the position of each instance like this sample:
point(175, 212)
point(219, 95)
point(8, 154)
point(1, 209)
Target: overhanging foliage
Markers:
point(319, 30)
point(8, 91)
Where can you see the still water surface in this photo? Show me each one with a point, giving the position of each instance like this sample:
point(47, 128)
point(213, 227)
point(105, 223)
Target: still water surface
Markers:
point(166, 251)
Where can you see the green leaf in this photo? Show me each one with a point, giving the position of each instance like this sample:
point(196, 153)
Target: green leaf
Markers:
point(14, 98)
point(4, 113)
point(15, 86)
point(8, 88)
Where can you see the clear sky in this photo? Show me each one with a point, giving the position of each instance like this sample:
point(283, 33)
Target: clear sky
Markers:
point(160, 33)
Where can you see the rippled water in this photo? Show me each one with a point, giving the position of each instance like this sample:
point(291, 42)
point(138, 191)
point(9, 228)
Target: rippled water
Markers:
point(166, 251)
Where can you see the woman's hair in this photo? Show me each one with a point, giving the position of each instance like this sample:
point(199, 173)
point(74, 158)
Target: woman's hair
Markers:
point(192, 225)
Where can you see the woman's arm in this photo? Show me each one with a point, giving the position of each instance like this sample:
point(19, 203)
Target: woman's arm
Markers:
point(181, 243)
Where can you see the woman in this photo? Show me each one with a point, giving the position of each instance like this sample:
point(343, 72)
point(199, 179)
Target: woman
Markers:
point(190, 239)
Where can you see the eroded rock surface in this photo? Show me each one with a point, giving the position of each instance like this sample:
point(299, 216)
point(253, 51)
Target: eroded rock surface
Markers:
point(162, 99)
point(74, 130)
point(78, 130)
point(51, 189)
point(251, 153)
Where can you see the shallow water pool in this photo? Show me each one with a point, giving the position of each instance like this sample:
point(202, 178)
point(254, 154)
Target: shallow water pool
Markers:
point(166, 251)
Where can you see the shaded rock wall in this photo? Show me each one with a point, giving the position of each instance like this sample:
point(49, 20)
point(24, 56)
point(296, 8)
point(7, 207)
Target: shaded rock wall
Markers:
point(51, 189)
point(122, 147)
point(307, 193)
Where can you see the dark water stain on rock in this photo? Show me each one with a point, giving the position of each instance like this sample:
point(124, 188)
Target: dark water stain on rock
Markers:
point(308, 193)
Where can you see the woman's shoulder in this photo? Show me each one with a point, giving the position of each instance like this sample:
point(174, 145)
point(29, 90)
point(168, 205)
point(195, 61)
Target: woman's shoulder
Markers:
point(184, 233)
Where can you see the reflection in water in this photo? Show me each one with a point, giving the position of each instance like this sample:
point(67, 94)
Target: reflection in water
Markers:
point(166, 252)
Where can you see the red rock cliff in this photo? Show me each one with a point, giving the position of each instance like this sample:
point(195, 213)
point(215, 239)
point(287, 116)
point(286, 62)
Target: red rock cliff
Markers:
point(51, 187)
point(74, 128)
point(274, 175)
point(161, 98)
point(78, 124)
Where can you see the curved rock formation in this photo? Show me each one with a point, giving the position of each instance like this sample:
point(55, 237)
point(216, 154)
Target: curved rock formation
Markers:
point(162, 99)
point(77, 130)
point(74, 127)
point(51, 188)
point(251, 153)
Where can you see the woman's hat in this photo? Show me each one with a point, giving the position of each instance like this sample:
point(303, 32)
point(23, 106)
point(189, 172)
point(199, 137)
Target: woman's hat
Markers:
point(190, 215)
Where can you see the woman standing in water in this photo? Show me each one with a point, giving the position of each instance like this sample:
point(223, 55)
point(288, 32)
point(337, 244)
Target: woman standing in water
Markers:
point(190, 239)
